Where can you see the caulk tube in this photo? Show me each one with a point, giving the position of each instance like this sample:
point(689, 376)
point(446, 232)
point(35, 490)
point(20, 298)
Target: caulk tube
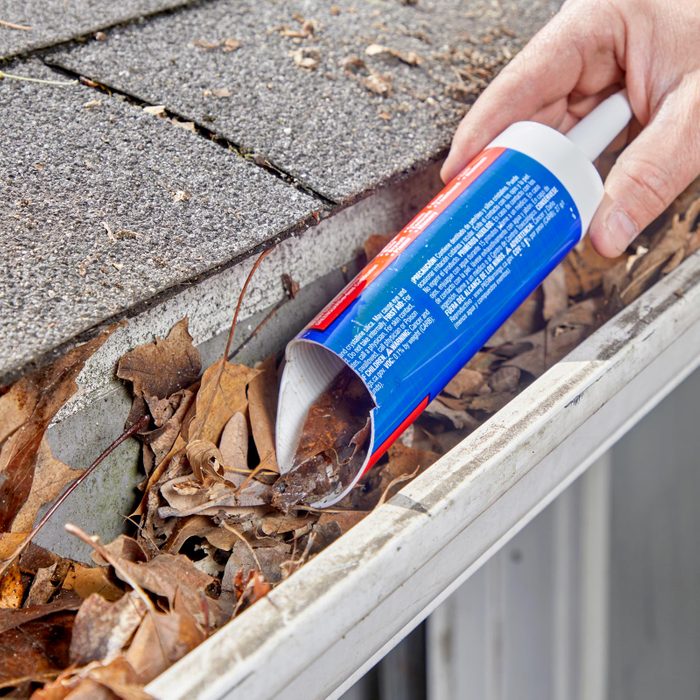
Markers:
point(442, 287)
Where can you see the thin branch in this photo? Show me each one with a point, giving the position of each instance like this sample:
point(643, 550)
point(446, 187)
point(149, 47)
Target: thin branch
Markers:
point(398, 480)
point(94, 542)
point(229, 341)
point(47, 516)
point(235, 532)
point(257, 328)
point(12, 25)
point(59, 83)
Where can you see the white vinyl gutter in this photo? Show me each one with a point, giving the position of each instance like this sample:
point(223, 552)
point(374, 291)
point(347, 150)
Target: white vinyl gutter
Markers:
point(327, 624)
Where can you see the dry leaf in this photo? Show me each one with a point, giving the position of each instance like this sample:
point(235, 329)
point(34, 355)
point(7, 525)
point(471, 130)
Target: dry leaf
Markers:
point(48, 581)
point(556, 298)
point(409, 57)
point(102, 629)
point(123, 547)
point(458, 418)
point(33, 402)
point(584, 268)
point(490, 403)
point(35, 650)
point(505, 379)
point(233, 446)
point(186, 496)
point(86, 580)
point(222, 393)
point(378, 83)
point(464, 383)
point(164, 366)
point(262, 405)
point(51, 476)
point(155, 110)
point(205, 459)
point(526, 319)
point(12, 618)
point(306, 57)
point(160, 641)
point(11, 588)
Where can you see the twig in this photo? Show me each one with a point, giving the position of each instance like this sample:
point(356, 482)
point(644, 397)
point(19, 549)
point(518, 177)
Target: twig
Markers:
point(257, 328)
point(332, 511)
point(12, 25)
point(25, 543)
point(60, 83)
point(398, 480)
point(235, 532)
point(229, 341)
point(254, 472)
point(94, 542)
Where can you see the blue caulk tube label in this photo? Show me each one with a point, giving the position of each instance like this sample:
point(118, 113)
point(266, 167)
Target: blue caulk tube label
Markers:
point(441, 288)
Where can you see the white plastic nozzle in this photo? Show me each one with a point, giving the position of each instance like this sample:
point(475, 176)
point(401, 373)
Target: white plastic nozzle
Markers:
point(597, 129)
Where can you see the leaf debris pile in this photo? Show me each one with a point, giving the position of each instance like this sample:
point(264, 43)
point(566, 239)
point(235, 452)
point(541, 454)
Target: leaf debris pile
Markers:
point(215, 530)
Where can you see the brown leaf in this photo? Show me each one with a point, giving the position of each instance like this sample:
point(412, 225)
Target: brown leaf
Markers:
point(306, 57)
point(164, 574)
point(102, 629)
point(123, 547)
point(205, 459)
point(262, 400)
point(202, 527)
point(9, 619)
point(526, 319)
point(584, 268)
point(48, 581)
point(505, 379)
point(86, 580)
point(459, 418)
point(160, 641)
point(164, 366)
point(566, 330)
point(32, 403)
point(36, 649)
point(531, 358)
point(11, 588)
point(222, 393)
point(490, 403)
point(51, 476)
point(117, 679)
point(344, 520)
point(378, 83)
point(233, 446)
point(666, 252)
point(408, 57)
point(190, 497)
point(465, 383)
point(554, 289)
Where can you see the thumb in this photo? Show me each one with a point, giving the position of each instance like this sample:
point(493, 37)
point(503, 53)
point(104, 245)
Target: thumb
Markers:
point(652, 171)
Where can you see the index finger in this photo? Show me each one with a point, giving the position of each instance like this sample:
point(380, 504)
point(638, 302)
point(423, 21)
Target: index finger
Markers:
point(535, 85)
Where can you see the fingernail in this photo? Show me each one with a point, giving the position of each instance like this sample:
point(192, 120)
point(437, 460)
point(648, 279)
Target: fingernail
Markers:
point(621, 229)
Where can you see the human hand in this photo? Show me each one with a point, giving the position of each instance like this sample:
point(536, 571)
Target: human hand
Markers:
point(589, 50)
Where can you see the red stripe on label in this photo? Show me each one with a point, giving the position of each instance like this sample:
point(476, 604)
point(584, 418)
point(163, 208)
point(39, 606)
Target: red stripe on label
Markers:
point(405, 237)
point(393, 437)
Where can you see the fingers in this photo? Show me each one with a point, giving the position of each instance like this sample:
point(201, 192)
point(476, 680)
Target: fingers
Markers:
point(654, 169)
point(527, 85)
point(577, 48)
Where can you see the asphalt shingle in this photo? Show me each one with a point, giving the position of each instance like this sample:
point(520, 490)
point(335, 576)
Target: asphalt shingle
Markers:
point(294, 82)
point(103, 206)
